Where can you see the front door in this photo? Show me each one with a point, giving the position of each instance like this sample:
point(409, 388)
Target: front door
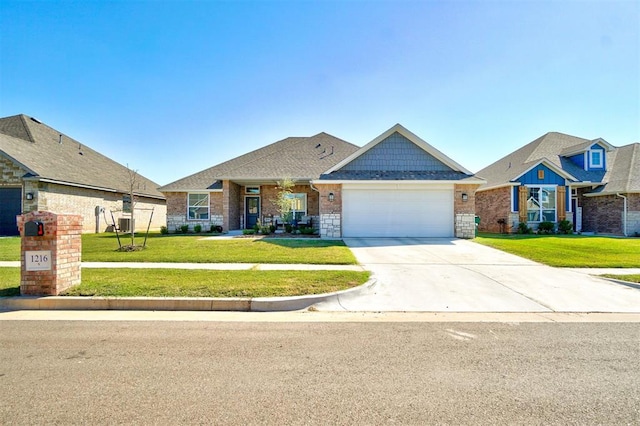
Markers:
point(251, 211)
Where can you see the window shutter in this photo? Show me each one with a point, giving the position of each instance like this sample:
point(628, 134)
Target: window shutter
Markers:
point(562, 210)
point(523, 193)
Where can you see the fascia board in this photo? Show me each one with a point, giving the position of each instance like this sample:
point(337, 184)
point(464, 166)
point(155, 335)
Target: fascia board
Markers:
point(502, 185)
point(403, 182)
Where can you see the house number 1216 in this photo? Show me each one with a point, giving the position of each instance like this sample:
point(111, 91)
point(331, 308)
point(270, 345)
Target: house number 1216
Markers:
point(37, 260)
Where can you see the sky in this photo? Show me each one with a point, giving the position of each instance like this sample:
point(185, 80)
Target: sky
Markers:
point(171, 88)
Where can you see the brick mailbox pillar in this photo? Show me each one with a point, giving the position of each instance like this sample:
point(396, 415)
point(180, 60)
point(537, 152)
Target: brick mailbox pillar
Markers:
point(50, 252)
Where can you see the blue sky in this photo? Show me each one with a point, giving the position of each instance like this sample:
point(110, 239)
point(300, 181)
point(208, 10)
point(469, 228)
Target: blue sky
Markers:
point(171, 88)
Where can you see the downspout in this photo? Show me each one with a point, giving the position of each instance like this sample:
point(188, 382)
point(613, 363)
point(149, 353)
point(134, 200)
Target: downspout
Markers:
point(624, 215)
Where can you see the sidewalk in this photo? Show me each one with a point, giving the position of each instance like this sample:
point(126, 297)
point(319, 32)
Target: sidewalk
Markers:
point(211, 266)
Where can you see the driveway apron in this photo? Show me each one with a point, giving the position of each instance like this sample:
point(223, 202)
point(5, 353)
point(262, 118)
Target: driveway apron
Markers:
point(453, 275)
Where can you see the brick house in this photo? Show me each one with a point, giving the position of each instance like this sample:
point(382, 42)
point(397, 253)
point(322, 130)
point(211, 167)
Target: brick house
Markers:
point(397, 185)
point(590, 183)
point(44, 169)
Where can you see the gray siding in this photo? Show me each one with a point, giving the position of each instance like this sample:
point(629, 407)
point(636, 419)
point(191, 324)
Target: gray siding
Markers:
point(396, 153)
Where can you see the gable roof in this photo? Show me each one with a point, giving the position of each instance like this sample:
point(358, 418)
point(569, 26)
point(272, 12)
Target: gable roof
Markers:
point(49, 155)
point(548, 147)
point(299, 158)
point(397, 154)
point(622, 174)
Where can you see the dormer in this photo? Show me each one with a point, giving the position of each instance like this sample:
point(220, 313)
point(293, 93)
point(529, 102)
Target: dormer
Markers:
point(590, 156)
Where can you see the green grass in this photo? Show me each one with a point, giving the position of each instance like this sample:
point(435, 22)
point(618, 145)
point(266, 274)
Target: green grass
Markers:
point(192, 249)
point(197, 283)
point(634, 278)
point(574, 251)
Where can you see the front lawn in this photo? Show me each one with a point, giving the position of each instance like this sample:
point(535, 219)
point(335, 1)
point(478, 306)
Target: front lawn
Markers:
point(633, 278)
point(193, 249)
point(575, 251)
point(197, 283)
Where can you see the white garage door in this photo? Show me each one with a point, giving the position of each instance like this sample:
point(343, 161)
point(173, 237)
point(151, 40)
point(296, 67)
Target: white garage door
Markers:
point(397, 211)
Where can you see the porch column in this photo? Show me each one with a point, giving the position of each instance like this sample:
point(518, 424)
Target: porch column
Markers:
point(523, 193)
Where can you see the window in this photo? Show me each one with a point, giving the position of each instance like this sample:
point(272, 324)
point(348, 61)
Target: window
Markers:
point(298, 205)
point(595, 158)
point(252, 190)
point(541, 204)
point(198, 206)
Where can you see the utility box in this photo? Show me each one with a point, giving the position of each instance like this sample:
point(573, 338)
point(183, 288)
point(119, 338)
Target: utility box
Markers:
point(125, 224)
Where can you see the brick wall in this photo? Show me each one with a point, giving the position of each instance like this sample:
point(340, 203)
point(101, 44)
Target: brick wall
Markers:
point(330, 211)
point(63, 199)
point(604, 214)
point(177, 211)
point(231, 205)
point(63, 239)
point(493, 205)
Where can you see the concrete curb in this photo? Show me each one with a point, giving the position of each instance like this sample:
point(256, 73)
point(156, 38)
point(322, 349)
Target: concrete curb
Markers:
point(241, 304)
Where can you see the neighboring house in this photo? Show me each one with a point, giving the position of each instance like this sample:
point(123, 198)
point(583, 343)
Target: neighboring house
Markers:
point(43, 169)
point(397, 185)
point(590, 183)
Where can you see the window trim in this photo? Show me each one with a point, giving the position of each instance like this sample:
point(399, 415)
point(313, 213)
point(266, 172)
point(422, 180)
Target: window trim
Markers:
point(208, 206)
point(541, 209)
point(252, 190)
point(306, 204)
point(592, 164)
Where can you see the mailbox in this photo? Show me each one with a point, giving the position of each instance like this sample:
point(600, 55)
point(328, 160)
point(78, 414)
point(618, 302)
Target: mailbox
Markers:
point(34, 228)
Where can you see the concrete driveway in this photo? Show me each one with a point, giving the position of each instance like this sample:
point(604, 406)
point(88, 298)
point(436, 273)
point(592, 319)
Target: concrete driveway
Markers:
point(423, 274)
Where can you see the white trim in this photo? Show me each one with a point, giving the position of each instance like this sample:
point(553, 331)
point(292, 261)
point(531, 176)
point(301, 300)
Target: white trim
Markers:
point(177, 191)
point(502, 185)
point(550, 165)
point(208, 205)
point(592, 165)
point(409, 135)
point(555, 209)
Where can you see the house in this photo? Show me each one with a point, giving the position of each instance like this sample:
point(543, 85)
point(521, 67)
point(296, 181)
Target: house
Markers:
point(44, 169)
point(557, 177)
point(397, 185)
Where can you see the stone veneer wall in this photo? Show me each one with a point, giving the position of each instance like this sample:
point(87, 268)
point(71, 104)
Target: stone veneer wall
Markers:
point(465, 211)
point(177, 211)
point(493, 205)
point(330, 211)
point(10, 173)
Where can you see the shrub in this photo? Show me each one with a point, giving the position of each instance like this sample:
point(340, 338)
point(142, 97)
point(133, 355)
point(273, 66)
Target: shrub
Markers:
point(288, 227)
point(265, 230)
point(184, 229)
point(164, 230)
point(546, 227)
point(523, 228)
point(248, 231)
point(307, 231)
point(197, 229)
point(216, 228)
point(565, 227)
point(272, 228)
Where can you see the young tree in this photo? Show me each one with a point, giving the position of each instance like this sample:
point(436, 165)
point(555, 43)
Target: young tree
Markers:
point(283, 199)
point(133, 182)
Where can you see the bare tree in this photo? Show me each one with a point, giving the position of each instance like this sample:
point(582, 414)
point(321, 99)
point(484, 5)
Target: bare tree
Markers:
point(283, 199)
point(133, 182)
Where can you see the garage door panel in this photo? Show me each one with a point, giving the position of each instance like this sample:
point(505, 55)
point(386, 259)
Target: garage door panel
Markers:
point(416, 212)
point(10, 207)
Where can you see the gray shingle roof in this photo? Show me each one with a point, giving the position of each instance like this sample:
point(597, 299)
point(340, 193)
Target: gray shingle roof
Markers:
point(622, 163)
point(49, 154)
point(299, 158)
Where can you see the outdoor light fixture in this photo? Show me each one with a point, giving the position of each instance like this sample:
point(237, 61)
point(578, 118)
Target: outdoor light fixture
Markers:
point(331, 197)
point(465, 197)
point(29, 196)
